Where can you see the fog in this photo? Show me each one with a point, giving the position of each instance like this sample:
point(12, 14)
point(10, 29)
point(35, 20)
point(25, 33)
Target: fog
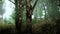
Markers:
point(8, 7)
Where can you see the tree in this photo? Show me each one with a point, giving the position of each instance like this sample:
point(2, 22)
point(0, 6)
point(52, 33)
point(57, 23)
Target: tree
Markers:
point(54, 13)
point(58, 19)
point(28, 16)
point(29, 11)
point(18, 8)
point(18, 17)
point(20, 14)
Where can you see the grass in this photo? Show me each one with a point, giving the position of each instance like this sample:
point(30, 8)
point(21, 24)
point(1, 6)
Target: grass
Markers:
point(4, 25)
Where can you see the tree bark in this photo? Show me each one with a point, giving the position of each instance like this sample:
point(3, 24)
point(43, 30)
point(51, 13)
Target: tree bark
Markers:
point(28, 17)
point(58, 21)
point(18, 8)
point(58, 26)
point(29, 11)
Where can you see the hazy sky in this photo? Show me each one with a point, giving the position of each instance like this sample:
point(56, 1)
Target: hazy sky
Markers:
point(8, 6)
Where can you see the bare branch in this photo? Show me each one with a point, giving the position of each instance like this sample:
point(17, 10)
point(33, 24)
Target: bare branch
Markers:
point(34, 4)
point(11, 1)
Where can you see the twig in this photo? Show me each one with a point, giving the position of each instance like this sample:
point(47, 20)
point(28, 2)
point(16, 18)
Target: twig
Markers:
point(11, 1)
point(35, 4)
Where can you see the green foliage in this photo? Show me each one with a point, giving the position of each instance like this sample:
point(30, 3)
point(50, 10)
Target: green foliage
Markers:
point(39, 25)
point(0, 0)
point(1, 8)
point(44, 27)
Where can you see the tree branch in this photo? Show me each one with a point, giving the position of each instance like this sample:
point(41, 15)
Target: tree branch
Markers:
point(11, 1)
point(34, 4)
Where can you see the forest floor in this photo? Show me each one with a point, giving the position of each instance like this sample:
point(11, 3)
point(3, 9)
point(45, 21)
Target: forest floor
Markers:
point(38, 28)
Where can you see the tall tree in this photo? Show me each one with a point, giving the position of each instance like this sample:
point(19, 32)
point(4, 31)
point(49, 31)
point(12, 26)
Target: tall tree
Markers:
point(18, 8)
point(58, 19)
point(28, 17)
point(29, 11)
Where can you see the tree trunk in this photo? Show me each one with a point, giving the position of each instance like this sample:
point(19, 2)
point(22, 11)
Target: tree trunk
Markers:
point(58, 26)
point(18, 8)
point(29, 11)
point(28, 17)
point(58, 21)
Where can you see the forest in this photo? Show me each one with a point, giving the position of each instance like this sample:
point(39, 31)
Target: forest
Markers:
point(29, 16)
